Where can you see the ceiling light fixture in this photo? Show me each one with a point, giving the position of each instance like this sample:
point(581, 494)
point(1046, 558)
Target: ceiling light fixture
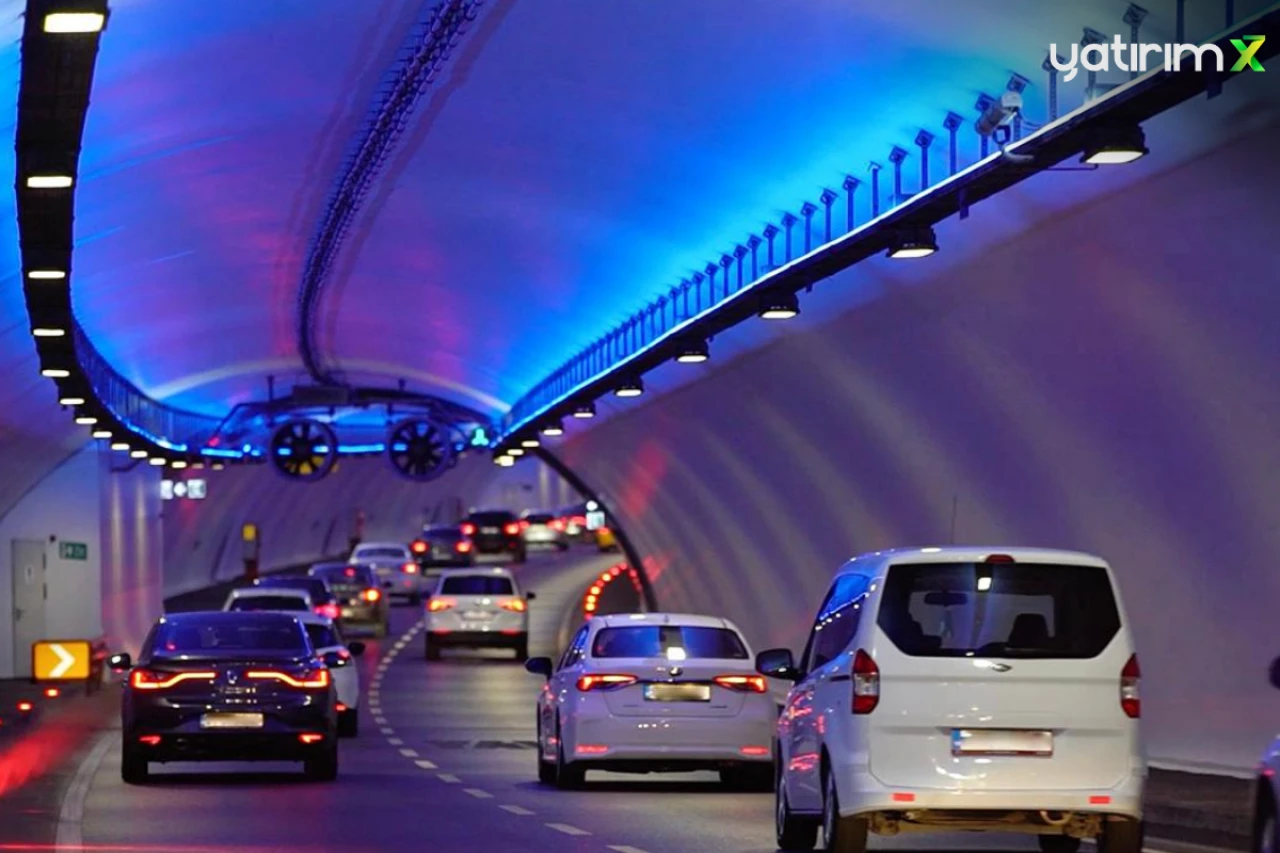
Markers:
point(86, 420)
point(630, 388)
point(693, 352)
point(139, 454)
point(48, 333)
point(530, 443)
point(55, 373)
point(913, 243)
point(74, 22)
point(49, 182)
point(177, 463)
point(553, 428)
point(157, 461)
point(504, 461)
point(586, 410)
point(119, 445)
point(779, 306)
point(102, 433)
point(1116, 146)
point(47, 275)
point(515, 451)
point(71, 401)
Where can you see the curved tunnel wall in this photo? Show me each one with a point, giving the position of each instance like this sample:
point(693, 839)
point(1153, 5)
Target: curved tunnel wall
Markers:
point(1105, 381)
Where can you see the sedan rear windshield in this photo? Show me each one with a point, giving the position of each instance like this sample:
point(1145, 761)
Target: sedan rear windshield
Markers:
point(381, 553)
point(347, 575)
point(268, 602)
point(450, 534)
point(315, 587)
point(539, 518)
point(492, 518)
point(322, 636)
point(477, 585)
point(229, 637)
point(673, 642)
point(999, 610)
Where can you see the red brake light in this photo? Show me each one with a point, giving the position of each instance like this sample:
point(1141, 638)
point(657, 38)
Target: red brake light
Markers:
point(52, 692)
point(605, 682)
point(418, 546)
point(25, 707)
point(371, 595)
point(998, 558)
point(866, 683)
point(436, 605)
point(515, 605)
point(317, 679)
point(349, 571)
point(511, 529)
point(145, 679)
point(409, 568)
point(463, 547)
point(743, 683)
point(1130, 700)
point(557, 524)
point(468, 529)
point(329, 611)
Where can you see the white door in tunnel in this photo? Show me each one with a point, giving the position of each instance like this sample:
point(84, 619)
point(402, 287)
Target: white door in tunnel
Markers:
point(28, 565)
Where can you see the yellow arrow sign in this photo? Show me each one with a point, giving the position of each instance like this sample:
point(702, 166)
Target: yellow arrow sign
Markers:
point(60, 660)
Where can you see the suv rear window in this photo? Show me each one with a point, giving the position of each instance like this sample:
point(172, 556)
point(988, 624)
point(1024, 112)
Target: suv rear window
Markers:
point(315, 587)
point(653, 641)
point(380, 553)
point(477, 585)
point(1003, 610)
point(539, 518)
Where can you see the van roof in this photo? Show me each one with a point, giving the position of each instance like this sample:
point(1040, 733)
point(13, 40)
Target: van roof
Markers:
point(879, 561)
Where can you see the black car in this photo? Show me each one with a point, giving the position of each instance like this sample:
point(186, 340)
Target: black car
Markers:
point(359, 596)
point(322, 598)
point(443, 545)
point(495, 532)
point(228, 686)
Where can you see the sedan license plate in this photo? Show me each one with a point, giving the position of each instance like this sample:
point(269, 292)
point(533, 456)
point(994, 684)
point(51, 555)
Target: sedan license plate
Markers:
point(490, 530)
point(477, 616)
point(677, 692)
point(1001, 742)
point(231, 721)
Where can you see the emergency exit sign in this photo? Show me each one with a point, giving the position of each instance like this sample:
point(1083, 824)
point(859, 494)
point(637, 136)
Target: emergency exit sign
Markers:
point(73, 550)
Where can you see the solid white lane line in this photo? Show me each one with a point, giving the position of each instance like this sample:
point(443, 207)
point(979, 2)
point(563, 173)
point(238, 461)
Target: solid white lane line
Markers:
point(409, 753)
point(520, 810)
point(425, 765)
point(395, 741)
point(448, 777)
point(567, 829)
point(71, 818)
point(479, 794)
point(626, 848)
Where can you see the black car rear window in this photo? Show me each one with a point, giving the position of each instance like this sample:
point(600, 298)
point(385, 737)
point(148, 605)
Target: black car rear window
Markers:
point(492, 519)
point(539, 518)
point(347, 575)
point(477, 585)
point(653, 641)
point(268, 602)
point(223, 636)
point(448, 534)
point(1010, 610)
point(316, 587)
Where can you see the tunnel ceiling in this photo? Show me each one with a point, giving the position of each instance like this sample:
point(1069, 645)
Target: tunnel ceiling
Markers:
point(570, 161)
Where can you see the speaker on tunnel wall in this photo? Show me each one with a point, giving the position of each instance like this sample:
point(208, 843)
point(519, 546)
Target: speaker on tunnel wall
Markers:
point(304, 449)
point(420, 450)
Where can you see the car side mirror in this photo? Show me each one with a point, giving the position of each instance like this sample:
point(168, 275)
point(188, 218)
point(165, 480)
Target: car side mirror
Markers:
point(1275, 673)
point(334, 660)
point(539, 666)
point(120, 663)
point(777, 663)
point(530, 596)
point(356, 648)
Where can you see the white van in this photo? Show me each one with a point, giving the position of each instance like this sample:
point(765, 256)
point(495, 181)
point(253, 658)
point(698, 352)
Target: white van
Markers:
point(946, 689)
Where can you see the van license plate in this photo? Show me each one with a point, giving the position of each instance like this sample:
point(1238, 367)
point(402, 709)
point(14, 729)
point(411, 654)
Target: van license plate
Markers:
point(1001, 742)
point(231, 721)
point(677, 692)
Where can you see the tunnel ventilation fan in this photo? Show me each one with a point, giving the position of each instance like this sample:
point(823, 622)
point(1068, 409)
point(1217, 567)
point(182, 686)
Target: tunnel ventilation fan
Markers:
point(420, 450)
point(304, 449)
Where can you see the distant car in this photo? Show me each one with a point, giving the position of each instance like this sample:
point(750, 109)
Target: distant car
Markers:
point(397, 570)
point(606, 539)
point(655, 693)
point(224, 686)
point(326, 638)
point(262, 598)
point(495, 531)
point(359, 595)
point(442, 545)
point(543, 530)
point(477, 608)
point(323, 601)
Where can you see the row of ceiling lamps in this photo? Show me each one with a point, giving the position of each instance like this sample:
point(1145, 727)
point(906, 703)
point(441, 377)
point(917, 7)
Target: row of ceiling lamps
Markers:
point(1122, 146)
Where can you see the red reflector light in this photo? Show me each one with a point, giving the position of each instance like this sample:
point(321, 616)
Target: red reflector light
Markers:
point(340, 707)
point(409, 568)
point(371, 594)
point(1130, 698)
point(436, 605)
point(349, 571)
point(590, 749)
point(309, 737)
point(742, 683)
point(143, 679)
point(1100, 801)
point(755, 750)
point(511, 529)
point(150, 740)
point(515, 605)
point(418, 547)
point(866, 683)
point(25, 707)
point(317, 679)
point(468, 529)
point(605, 682)
point(463, 547)
point(899, 797)
point(52, 692)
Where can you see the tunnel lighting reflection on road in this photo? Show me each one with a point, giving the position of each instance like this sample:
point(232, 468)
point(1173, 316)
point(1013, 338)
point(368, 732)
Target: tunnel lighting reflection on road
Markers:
point(102, 433)
point(55, 373)
point(86, 420)
point(46, 332)
point(71, 401)
point(49, 182)
point(630, 388)
point(74, 22)
point(47, 275)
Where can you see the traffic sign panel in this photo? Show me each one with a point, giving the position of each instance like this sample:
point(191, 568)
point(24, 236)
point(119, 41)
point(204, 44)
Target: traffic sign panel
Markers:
point(61, 660)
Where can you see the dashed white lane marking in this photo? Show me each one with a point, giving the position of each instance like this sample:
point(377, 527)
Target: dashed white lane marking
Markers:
point(448, 777)
point(626, 848)
point(567, 829)
point(409, 753)
point(425, 765)
point(520, 810)
point(382, 721)
point(395, 741)
point(387, 730)
point(479, 794)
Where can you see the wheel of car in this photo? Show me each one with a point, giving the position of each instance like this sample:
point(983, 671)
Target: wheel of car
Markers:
point(794, 832)
point(1265, 836)
point(840, 834)
point(349, 722)
point(546, 769)
point(1058, 843)
point(134, 769)
point(1121, 836)
point(432, 650)
point(415, 599)
point(323, 767)
point(569, 777)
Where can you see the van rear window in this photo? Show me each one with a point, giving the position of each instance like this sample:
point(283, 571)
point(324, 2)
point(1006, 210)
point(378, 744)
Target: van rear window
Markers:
point(1003, 610)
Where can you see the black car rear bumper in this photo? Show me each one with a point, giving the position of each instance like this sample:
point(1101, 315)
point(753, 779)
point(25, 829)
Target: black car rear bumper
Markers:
point(231, 746)
point(165, 731)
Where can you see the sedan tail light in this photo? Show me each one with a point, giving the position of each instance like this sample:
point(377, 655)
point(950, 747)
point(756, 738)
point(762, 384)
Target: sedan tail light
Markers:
point(468, 529)
point(605, 681)
point(463, 547)
point(515, 605)
point(409, 568)
point(418, 546)
point(557, 524)
point(145, 679)
point(866, 683)
point(436, 605)
point(511, 529)
point(329, 611)
point(371, 594)
point(315, 679)
point(742, 683)
point(1130, 699)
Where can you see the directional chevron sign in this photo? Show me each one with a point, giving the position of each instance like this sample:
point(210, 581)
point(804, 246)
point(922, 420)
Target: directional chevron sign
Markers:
point(60, 660)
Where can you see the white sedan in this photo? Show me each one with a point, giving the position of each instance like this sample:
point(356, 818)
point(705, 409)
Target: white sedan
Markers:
point(655, 693)
point(326, 637)
point(479, 609)
point(296, 601)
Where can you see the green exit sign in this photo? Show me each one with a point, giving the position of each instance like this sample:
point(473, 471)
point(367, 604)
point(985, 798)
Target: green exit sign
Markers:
point(73, 550)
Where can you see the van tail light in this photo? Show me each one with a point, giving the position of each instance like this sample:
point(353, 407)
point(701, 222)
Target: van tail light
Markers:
point(742, 683)
point(511, 529)
point(437, 605)
point(605, 681)
point(1130, 700)
point(866, 683)
point(468, 529)
point(371, 594)
point(463, 547)
point(329, 611)
point(409, 568)
point(313, 680)
point(515, 605)
point(145, 679)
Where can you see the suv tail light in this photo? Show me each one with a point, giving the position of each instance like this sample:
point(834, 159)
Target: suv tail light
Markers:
point(511, 529)
point(468, 529)
point(742, 683)
point(435, 605)
point(515, 605)
point(145, 679)
point(329, 611)
point(409, 568)
point(1130, 700)
point(371, 594)
point(866, 683)
point(606, 681)
point(315, 679)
